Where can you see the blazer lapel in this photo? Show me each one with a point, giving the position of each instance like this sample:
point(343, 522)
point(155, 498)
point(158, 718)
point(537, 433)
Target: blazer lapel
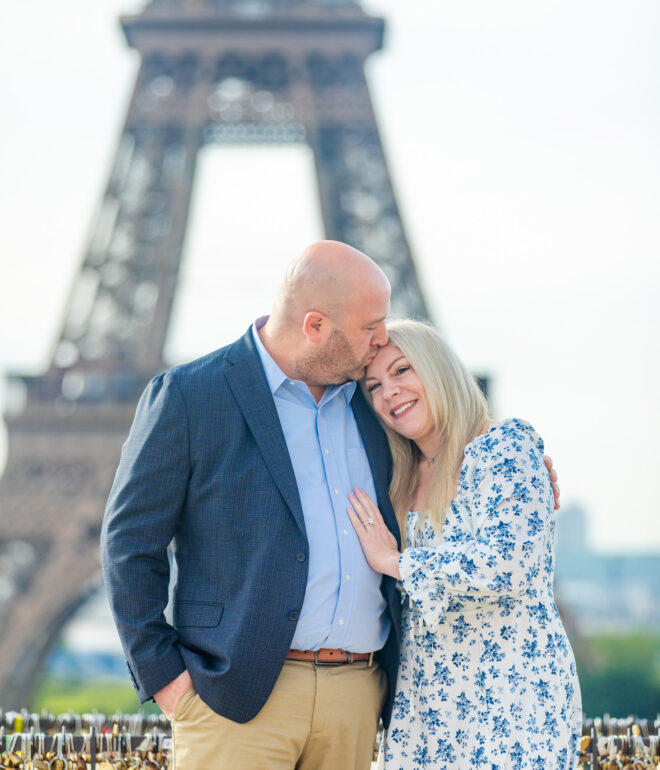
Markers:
point(248, 383)
point(377, 452)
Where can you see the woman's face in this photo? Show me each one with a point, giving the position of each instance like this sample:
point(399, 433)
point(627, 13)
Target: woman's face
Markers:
point(398, 395)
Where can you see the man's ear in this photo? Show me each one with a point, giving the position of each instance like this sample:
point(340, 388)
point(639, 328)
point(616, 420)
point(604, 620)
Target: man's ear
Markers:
point(315, 326)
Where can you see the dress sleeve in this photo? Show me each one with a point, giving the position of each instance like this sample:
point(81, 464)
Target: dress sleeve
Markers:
point(506, 489)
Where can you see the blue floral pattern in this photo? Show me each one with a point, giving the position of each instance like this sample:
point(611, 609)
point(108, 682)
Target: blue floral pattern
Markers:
point(487, 676)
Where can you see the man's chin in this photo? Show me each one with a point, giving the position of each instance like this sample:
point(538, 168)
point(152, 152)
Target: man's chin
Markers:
point(354, 376)
point(358, 374)
point(363, 368)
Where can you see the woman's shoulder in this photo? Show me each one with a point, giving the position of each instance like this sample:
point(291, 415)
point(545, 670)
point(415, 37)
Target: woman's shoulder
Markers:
point(506, 445)
point(512, 432)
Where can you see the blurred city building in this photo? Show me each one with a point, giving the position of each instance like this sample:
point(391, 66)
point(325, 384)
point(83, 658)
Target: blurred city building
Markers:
point(213, 71)
point(603, 592)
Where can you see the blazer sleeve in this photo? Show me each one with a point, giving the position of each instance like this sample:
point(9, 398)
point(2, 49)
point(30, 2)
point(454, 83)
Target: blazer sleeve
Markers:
point(141, 516)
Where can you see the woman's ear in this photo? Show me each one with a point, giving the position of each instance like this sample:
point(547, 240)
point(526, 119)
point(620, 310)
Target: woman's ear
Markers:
point(315, 325)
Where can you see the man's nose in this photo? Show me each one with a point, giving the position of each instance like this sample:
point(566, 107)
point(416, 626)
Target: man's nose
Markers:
point(379, 336)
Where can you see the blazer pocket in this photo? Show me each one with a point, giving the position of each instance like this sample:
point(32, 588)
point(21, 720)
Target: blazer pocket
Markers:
point(204, 614)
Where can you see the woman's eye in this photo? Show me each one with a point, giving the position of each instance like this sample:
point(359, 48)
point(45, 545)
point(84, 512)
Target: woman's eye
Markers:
point(402, 370)
point(371, 388)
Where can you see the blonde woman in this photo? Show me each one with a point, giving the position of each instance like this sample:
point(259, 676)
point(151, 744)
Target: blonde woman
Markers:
point(487, 676)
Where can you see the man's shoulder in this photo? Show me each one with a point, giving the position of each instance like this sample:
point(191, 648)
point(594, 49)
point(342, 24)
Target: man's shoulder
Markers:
point(208, 367)
point(198, 368)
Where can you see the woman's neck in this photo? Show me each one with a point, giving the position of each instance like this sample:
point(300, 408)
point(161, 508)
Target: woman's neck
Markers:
point(424, 473)
point(430, 449)
point(430, 454)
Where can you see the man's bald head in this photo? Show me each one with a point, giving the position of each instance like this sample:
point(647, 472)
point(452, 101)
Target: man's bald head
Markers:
point(329, 277)
point(328, 320)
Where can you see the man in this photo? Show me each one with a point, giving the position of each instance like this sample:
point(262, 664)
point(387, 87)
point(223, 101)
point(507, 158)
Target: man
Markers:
point(244, 459)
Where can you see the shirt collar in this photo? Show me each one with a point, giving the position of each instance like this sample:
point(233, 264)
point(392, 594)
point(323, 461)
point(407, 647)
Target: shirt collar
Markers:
point(276, 377)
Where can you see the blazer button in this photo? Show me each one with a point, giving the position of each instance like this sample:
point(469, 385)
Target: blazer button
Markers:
point(293, 615)
point(300, 556)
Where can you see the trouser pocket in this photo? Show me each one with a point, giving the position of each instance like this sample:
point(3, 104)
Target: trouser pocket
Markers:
point(184, 704)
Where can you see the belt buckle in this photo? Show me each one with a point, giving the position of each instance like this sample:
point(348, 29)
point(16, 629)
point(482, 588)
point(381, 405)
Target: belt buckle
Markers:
point(318, 662)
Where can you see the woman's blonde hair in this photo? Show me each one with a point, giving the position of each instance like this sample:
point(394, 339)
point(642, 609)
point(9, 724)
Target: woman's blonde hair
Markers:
point(459, 411)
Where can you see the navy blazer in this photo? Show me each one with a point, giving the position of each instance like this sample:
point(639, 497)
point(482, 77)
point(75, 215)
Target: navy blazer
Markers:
point(206, 467)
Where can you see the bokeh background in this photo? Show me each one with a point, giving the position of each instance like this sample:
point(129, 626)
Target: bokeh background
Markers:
point(522, 140)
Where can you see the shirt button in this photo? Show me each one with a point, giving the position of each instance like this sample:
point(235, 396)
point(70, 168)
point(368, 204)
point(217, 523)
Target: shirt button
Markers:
point(291, 382)
point(327, 451)
point(346, 532)
point(341, 621)
point(336, 491)
point(293, 615)
point(348, 577)
point(300, 556)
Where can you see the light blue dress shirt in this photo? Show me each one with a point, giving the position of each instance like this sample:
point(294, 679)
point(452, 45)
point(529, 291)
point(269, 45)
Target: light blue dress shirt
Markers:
point(343, 606)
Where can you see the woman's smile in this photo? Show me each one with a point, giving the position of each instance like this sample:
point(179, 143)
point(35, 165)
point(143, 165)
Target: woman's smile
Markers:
point(404, 408)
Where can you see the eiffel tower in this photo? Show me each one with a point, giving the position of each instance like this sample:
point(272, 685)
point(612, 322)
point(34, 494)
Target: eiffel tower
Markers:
point(212, 71)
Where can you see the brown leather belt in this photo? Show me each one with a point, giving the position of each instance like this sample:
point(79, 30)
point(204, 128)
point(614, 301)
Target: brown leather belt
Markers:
point(326, 657)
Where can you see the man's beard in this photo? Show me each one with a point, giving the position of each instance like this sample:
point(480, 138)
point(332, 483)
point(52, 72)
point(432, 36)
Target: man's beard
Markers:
point(335, 364)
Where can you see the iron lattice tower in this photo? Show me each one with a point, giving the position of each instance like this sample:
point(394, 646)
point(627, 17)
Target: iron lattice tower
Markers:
point(212, 71)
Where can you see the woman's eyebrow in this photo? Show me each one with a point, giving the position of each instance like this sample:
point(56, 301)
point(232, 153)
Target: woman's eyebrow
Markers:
point(396, 360)
point(388, 367)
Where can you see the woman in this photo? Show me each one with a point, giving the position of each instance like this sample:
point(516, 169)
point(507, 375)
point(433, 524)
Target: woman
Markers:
point(487, 676)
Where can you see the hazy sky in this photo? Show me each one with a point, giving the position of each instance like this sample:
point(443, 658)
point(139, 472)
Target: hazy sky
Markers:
point(522, 139)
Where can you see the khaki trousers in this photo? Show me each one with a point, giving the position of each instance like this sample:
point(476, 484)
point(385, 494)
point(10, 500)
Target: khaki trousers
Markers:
point(316, 718)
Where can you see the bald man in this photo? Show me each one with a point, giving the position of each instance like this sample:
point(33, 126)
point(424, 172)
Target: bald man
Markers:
point(283, 648)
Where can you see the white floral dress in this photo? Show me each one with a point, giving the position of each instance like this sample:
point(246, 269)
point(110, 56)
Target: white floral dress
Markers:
point(487, 676)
